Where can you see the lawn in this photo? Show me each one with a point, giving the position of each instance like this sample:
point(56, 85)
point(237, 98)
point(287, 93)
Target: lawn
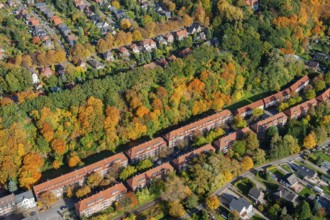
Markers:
point(321, 155)
point(257, 217)
point(272, 184)
point(286, 167)
point(244, 185)
point(276, 172)
point(306, 192)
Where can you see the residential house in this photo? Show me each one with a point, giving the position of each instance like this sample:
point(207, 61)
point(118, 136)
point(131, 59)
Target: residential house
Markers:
point(49, 14)
point(134, 48)
point(277, 98)
point(39, 31)
point(144, 179)
point(35, 78)
point(200, 36)
point(169, 38)
point(313, 65)
point(25, 200)
point(71, 39)
point(96, 64)
point(148, 44)
point(277, 120)
point(215, 42)
point(324, 96)
point(160, 40)
point(243, 207)
point(227, 141)
point(11, 3)
point(325, 165)
point(49, 45)
point(108, 56)
point(46, 72)
point(300, 84)
point(194, 28)
point(306, 172)
point(181, 34)
point(181, 161)
point(162, 11)
point(257, 195)
point(7, 205)
point(120, 14)
point(56, 20)
point(146, 150)
point(171, 58)
point(41, 5)
point(104, 27)
point(185, 133)
point(290, 180)
point(252, 3)
point(185, 52)
point(286, 195)
point(80, 4)
point(163, 63)
point(248, 109)
point(77, 177)
point(100, 201)
point(301, 109)
point(123, 52)
point(64, 29)
point(34, 22)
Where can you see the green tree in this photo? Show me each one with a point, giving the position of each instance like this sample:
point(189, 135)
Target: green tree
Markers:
point(144, 164)
point(239, 147)
point(304, 211)
point(127, 172)
point(251, 141)
point(191, 201)
point(12, 185)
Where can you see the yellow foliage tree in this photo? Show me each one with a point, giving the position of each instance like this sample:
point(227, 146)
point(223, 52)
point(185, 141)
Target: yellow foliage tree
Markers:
point(309, 141)
point(247, 163)
point(212, 202)
point(125, 24)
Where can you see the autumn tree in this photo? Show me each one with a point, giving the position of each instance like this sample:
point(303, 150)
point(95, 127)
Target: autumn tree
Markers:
point(127, 172)
point(125, 24)
point(74, 161)
point(212, 202)
point(31, 170)
point(47, 199)
point(247, 163)
point(144, 164)
point(176, 210)
point(174, 190)
point(94, 179)
point(309, 141)
point(83, 191)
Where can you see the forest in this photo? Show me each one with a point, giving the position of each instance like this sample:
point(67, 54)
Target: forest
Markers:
point(255, 55)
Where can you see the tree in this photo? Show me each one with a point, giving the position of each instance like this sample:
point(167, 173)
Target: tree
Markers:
point(304, 211)
point(125, 24)
point(94, 180)
point(233, 215)
point(251, 141)
point(12, 185)
point(69, 191)
point(257, 112)
point(212, 202)
point(47, 199)
point(174, 190)
point(191, 201)
point(176, 210)
point(247, 163)
point(144, 164)
point(309, 141)
point(74, 161)
point(259, 156)
point(127, 172)
point(239, 121)
point(83, 191)
point(239, 147)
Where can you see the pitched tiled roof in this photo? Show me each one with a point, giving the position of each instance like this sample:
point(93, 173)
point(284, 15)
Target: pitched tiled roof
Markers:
point(181, 33)
point(298, 110)
point(230, 138)
point(100, 197)
point(145, 147)
point(273, 120)
point(324, 96)
point(148, 175)
point(183, 158)
point(78, 174)
point(7, 200)
point(277, 96)
point(250, 107)
point(299, 83)
point(217, 116)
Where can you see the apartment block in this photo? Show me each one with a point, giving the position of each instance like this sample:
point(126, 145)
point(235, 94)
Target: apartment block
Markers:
point(227, 141)
point(185, 133)
point(248, 109)
point(277, 98)
point(144, 179)
point(59, 184)
point(146, 150)
point(300, 84)
point(260, 127)
point(181, 161)
point(324, 96)
point(301, 109)
point(100, 200)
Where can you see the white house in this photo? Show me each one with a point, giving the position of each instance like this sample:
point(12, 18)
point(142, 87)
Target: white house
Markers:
point(243, 207)
point(35, 78)
point(25, 200)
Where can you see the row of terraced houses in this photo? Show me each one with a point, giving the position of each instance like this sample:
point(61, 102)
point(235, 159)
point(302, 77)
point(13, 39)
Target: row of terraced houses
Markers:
point(169, 141)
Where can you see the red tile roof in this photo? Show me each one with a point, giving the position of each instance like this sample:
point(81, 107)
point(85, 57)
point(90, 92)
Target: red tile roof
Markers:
point(181, 33)
point(277, 97)
point(56, 20)
point(228, 140)
point(274, 120)
point(100, 197)
point(145, 147)
point(324, 96)
point(299, 83)
point(181, 160)
point(151, 174)
point(77, 175)
point(200, 123)
point(301, 109)
point(250, 107)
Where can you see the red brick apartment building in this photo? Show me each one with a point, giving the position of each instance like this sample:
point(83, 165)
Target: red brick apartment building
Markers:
point(59, 184)
point(148, 149)
point(324, 96)
point(277, 98)
point(100, 201)
point(144, 179)
point(175, 137)
point(301, 109)
point(248, 109)
point(260, 127)
point(180, 162)
point(300, 84)
point(226, 142)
